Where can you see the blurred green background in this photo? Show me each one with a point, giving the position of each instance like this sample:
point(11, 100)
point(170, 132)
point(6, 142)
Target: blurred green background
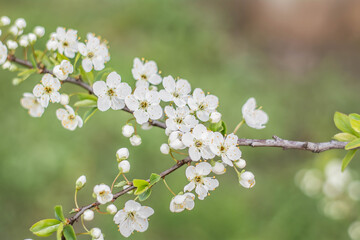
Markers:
point(299, 59)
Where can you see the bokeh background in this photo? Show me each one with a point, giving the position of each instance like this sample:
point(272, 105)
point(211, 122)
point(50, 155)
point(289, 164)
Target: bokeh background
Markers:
point(299, 59)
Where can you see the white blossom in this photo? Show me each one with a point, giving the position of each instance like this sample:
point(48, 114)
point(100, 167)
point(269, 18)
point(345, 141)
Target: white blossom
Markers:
point(30, 102)
point(69, 119)
point(122, 154)
point(24, 41)
point(112, 209)
point(88, 215)
point(226, 148)
point(39, 31)
point(164, 148)
point(80, 182)
point(112, 93)
point(20, 23)
point(47, 90)
point(15, 31)
point(199, 180)
point(95, 54)
point(4, 21)
point(128, 130)
point(96, 233)
point(124, 166)
point(64, 99)
point(181, 202)
point(63, 70)
point(67, 41)
point(12, 45)
point(215, 117)
point(3, 53)
point(177, 92)
point(135, 140)
point(145, 104)
point(133, 217)
point(32, 38)
point(218, 168)
point(52, 43)
point(255, 118)
point(179, 119)
point(241, 163)
point(198, 142)
point(175, 140)
point(247, 179)
point(7, 64)
point(203, 105)
point(103, 193)
point(145, 73)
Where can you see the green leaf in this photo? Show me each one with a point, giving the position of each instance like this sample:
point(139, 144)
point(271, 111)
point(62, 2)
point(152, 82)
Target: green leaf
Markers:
point(27, 72)
point(120, 184)
point(103, 73)
point(59, 231)
point(224, 128)
point(59, 213)
point(45, 227)
point(355, 121)
point(141, 185)
point(344, 137)
point(69, 233)
point(347, 159)
point(88, 114)
point(61, 57)
point(85, 103)
point(342, 122)
point(78, 55)
point(216, 127)
point(145, 195)
point(353, 144)
point(87, 76)
point(33, 61)
point(84, 96)
point(154, 178)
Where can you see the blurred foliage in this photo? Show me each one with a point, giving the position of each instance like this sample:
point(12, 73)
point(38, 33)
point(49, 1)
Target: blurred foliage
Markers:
point(40, 160)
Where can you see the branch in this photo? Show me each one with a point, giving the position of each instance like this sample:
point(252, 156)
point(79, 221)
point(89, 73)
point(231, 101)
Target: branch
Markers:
point(74, 218)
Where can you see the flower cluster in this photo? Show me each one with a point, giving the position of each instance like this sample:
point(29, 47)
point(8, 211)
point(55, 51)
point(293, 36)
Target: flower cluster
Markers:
point(190, 117)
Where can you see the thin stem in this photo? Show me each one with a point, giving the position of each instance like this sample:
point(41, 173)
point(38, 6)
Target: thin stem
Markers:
point(112, 185)
point(181, 153)
point(172, 156)
point(83, 224)
point(83, 233)
point(238, 126)
point(130, 120)
point(98, 210)
point(167, 186)
point(237, 171)
point(127, 181)
point(75, 198)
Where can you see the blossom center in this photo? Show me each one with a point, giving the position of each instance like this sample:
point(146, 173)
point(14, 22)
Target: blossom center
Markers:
point(176, 95)
point(90, 55)
point(202, 106)
point(65, 44)
point(198, 143)
point(144, 77)
point(111, 92)
point(48, 89)
point(222, 148)
point(144, 105)
point(71, 117)
point(178, 120)
point(198, 179)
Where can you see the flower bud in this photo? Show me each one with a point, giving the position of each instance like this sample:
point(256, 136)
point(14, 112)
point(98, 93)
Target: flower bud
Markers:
point(135, 140)
point(122, 154)
point(24, 41)
point(88, 215)
point(215, 117)
point(218, 168)
point(124, 166)
point(16, 81)
point(95, 233)
point(165, 149)
point(20, 23)
point(128, 130)
point(175, 140)
point(111, 209)
point(32, 38)
point(14, 31)
point(39, 31)
point(241, 163)
point(64, 99)
point(247, 179)
point(146, 126)
point(80, 182)
point(6, 65)
point(12, 45)
point(4, 21)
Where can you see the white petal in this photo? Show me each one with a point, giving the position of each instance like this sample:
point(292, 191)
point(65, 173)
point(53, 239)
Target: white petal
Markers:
point(165, 96)
point(113, 80)
point(100, 88)
point(123, 90)
point(189, 187)
point(198, 95)
point(188, 139)
point(55, 97)
point(201, 191)
point(233, 153)
point(120, 216)
point(140, 224)
point(132, 206)
point(155, 79)
point(61, 114)
point(126, 227)
point(131, 102)
point(141, 116)
point(190, 172)
point(203, 169)
point(87, 64)
point(210, 183)
point(203, 115)
point(103, 103)
point(194, 154)
point(117, 103)
point(199, 130)
point(155, 112)
point(38, 90)
point(145, 212)
point(169, 84)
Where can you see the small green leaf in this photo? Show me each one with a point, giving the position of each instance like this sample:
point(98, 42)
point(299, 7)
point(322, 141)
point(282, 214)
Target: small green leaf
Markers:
point(87, 76)
point(224, 128)
point(355, 121)
point(83, 96)
point(59, 213)
point(78, 55)
point(145, 195)
point(154, 178)
point(347, 159)
point(69, 233)
point(344, 137)
point(139, 190)
point(88, 114)
point(342, 122)
point(33, 61)
point(353, 144)
point(120, 184)
point(45, 227)
point(59, 231)
point(103, 73)
point(61, 57)
point(85, 103)
point(141, 186)
point(216, 127)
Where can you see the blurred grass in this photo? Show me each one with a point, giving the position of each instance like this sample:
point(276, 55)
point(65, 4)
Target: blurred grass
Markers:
point(40, 161)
